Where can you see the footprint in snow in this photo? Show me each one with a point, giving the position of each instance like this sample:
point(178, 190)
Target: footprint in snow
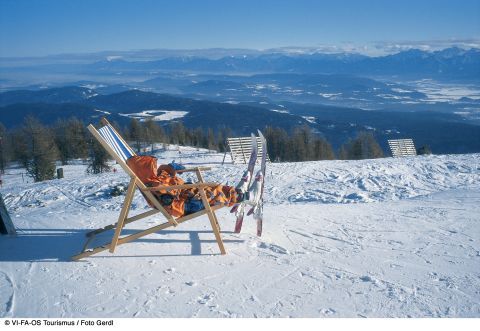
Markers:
point(273, 248)
point(395, 243)
point(328, 311)
point(169, 291)
point(204, 299)
point(367, 278)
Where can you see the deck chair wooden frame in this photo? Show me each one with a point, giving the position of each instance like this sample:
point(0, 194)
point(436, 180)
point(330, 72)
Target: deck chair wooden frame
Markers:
point(113, 143)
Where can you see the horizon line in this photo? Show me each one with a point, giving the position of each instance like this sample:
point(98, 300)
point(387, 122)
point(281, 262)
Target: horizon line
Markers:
point(377, 49)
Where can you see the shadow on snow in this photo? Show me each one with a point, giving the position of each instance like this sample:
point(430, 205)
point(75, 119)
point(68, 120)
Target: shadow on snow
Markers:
point(61, 244)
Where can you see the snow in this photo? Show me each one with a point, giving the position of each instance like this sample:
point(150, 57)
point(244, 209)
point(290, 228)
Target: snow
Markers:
point(102, 111)
point(330, 95)
point(400, 90)
point(113, 58)
point(165, 115)
point(310, 119)
point(374, 238)
point(391, 96)
point(283, 111)
point(442, 92)
point(92, 86)
point(170, 115)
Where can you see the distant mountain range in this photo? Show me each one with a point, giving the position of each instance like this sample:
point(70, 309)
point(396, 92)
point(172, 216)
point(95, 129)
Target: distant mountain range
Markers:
point(451, 63)
point(448, 64)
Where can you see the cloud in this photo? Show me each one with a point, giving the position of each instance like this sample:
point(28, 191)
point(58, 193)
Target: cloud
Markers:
point(379, 48)
point(388, 47)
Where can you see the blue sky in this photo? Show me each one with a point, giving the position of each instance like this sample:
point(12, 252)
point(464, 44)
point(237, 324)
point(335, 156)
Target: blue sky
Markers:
point(42, 27)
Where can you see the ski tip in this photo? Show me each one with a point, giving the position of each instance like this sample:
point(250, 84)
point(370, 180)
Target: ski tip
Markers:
point(238, 225)
point(259, 226)
point(254, 137)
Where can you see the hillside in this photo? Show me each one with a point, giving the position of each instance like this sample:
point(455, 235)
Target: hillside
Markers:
point(87, 105)
point(444, 131)
point(372, 238)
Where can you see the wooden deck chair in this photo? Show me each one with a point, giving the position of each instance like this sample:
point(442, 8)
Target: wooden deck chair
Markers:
point(113, 143)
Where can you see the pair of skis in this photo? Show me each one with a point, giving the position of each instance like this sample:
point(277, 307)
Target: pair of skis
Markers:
point(254, 190)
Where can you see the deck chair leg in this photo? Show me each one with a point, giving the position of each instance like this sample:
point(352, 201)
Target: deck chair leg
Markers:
point(201, 180)
point(216, 221)
point(123, 214)
point(213, 221)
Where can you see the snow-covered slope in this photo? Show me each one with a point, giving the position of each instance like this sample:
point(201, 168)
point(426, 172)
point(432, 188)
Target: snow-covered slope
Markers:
point(376, 238)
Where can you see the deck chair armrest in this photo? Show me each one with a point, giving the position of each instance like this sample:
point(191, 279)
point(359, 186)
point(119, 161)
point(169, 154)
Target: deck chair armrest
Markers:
point(180, 187)
point(194, 169)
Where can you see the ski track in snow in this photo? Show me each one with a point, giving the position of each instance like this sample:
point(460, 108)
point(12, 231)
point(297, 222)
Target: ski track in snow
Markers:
point(7, 295)
point(370, 238)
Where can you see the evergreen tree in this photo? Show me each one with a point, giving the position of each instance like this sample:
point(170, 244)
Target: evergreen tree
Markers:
point(60, 131)
point(303, 144)
point(424, 150)
point(211, 144)
point(76, 132)
point(153, 133)
point(322, 150)
point(70, 139)
point(356, 151)
point(19, 147)
point(221, 142)
point(277, 144)
point(198, 138)
point(136, 134)
point(41, 150)
point(97, 163)
point(177, 133)
point(3, 148)
point(364, 146)
point(343, 152)
point(370, 147)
